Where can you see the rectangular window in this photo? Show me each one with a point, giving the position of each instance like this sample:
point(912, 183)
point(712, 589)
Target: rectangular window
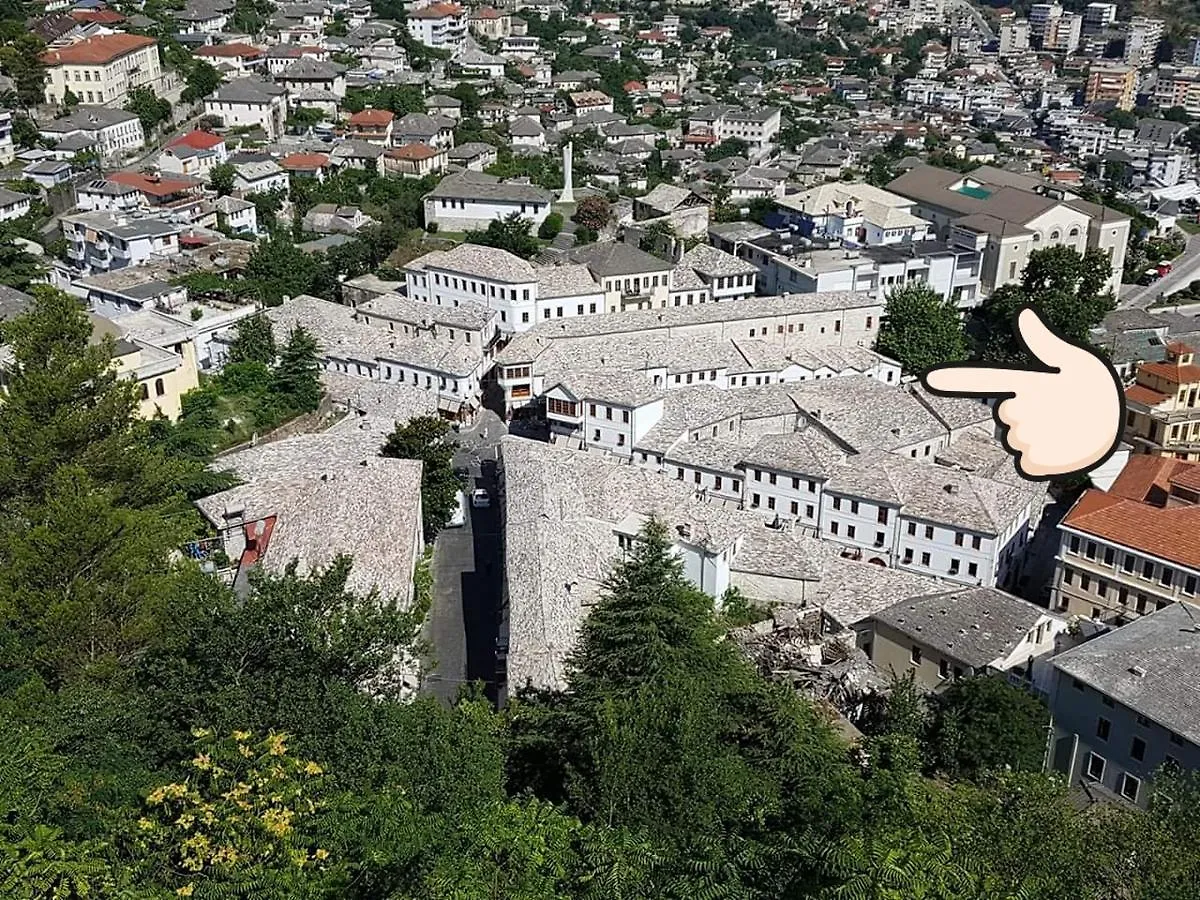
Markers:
point(929, 532)
point(958, 538)
point(973, 569)
point(1074, 545)
point(1103, 728)
point(854, 507)
point(882, 516)
point(850, 530)
point(1109, 555)
point(943, 669)
point(795, 507)
point(1129, 787)
point(717, 481)
point(915, 655)
point(808, 510)
point(837, 502)
point(1165, 577)
point(908, 554)
point(954, 567)
point(1127, 562)
point(1138, 749)
point(912, 528)
point(1090, 552)
point(625, 416)
point(1095, 767)
point(925, 559)
point(771, 504)
point(833, 527)
point(1148, 570)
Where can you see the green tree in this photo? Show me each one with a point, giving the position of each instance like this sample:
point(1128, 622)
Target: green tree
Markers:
point(921, 329)
point(18, 268)
point(728, 147)
point(297, 378)
point(202, 80)
point(281, 269)
point(20, 60)
point(150, 109)
point(592, 213)
point(221, 178)
point(512, 233)
point(1069, 292)
point(255, 341)
point(984, 723)
point(428, 439)
point(551, 226)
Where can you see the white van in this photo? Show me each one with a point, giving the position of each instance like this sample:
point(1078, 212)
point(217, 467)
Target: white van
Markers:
point(459, 517)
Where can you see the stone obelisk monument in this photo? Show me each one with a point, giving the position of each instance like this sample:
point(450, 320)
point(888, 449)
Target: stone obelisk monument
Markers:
point(568, 191)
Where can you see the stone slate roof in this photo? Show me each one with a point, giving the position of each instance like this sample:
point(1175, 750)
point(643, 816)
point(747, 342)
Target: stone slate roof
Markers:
point(977, 626)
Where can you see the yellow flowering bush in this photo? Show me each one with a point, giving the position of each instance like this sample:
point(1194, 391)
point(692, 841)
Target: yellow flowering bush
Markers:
point(241, 815)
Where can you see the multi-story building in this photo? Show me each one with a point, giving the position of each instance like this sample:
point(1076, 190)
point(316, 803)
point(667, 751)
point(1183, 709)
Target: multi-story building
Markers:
point(194, 153)
point(1122, 705)
point(1111, 81)
point(1099, 16)
point(1161, 412)
point(439, 25)
point(1014, 38)
point(101, 241)
point(1178, 86)
point(491, 23)
point(111, 131)
point(371, 125)
point(956, 634)
point(13, 204)
point(471, 200)
point(856, 213)
point(1063, 33)
point(1142, 37)
point(7, 150)
point(714, 124)
point(1005, 216)
point(102, 69)
point(248, 102)
point(1131, 549)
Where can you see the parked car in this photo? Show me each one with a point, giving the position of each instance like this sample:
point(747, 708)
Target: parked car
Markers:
point(480, 499)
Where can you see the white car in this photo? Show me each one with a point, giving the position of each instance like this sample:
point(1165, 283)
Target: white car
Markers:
point(459, 517)
point(480, 499)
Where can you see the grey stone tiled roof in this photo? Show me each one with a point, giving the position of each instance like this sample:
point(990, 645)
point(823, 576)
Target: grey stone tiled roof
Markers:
point(977, 626)
point(467, 315)
point(1151, 665)
point(866, 414)
point(610, 258)
point(481, 262)
point(478, 186)
point(763, 355)
point(566, 281)
point(340, 335)
point(810, 452)
point(606, 386)
point(684, 278)
point(320, 514)
point(530, 344)
point(560, 511)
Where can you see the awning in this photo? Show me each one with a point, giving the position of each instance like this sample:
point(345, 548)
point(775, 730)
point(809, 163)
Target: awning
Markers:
point(446, 404)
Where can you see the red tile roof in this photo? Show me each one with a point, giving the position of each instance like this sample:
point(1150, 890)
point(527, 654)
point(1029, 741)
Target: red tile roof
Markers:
point(1139, 393)
point(1172, 373)
point(372, 117)
point(437, 11)
point(1172, 533)
point(634, 86)
point(97, 50)
point(99, 16)
point(304, 161)
point(415, 151)
point(1146, 478)
point(1187, 477)
point(1179, 347)
point(237, 49)
point(488, 12)
point(154, 185)
point(198, 140)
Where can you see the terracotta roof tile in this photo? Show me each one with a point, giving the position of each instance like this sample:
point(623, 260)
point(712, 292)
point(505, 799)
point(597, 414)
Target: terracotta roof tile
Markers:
point(153, 185)
point(372, 117)
point(1139, 393)
point(304, 161)
point(1172, 534)
point(437, 11)
point(1175, 374)
point(97, 50)
point(99, 16)
point(1146, 478)
point(198, 140)
point(237, 49)
point(1186, 477)
point(414, 151)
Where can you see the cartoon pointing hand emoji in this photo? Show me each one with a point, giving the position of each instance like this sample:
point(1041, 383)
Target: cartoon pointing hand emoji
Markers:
point(1062, 419)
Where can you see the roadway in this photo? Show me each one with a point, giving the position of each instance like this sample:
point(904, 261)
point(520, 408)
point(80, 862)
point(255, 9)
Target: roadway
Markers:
point(464, 617)
point(1185, 269)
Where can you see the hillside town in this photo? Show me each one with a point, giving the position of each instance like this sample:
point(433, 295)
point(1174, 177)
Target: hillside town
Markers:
point(491, 299)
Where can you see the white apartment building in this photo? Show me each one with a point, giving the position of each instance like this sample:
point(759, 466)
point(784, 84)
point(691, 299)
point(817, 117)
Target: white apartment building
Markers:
point(442, 26)
point(7, 150)
point(248, 102)
point(102, 69)
point(471, 200)
point(1142, 37)
point(757, 127)
point(13, 204)
point(103, 241)
point(114, 131)
point(1099, 16)
point(479, 275)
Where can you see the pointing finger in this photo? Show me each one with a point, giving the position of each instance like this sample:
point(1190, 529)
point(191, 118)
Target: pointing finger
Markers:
point(979, 381)
point(1043, 343)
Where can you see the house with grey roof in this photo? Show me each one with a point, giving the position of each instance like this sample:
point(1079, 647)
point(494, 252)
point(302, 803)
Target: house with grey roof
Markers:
point(250, 103)
point(471, 200)
point(110, 130)
point(955, 634)
point(1123, 706)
